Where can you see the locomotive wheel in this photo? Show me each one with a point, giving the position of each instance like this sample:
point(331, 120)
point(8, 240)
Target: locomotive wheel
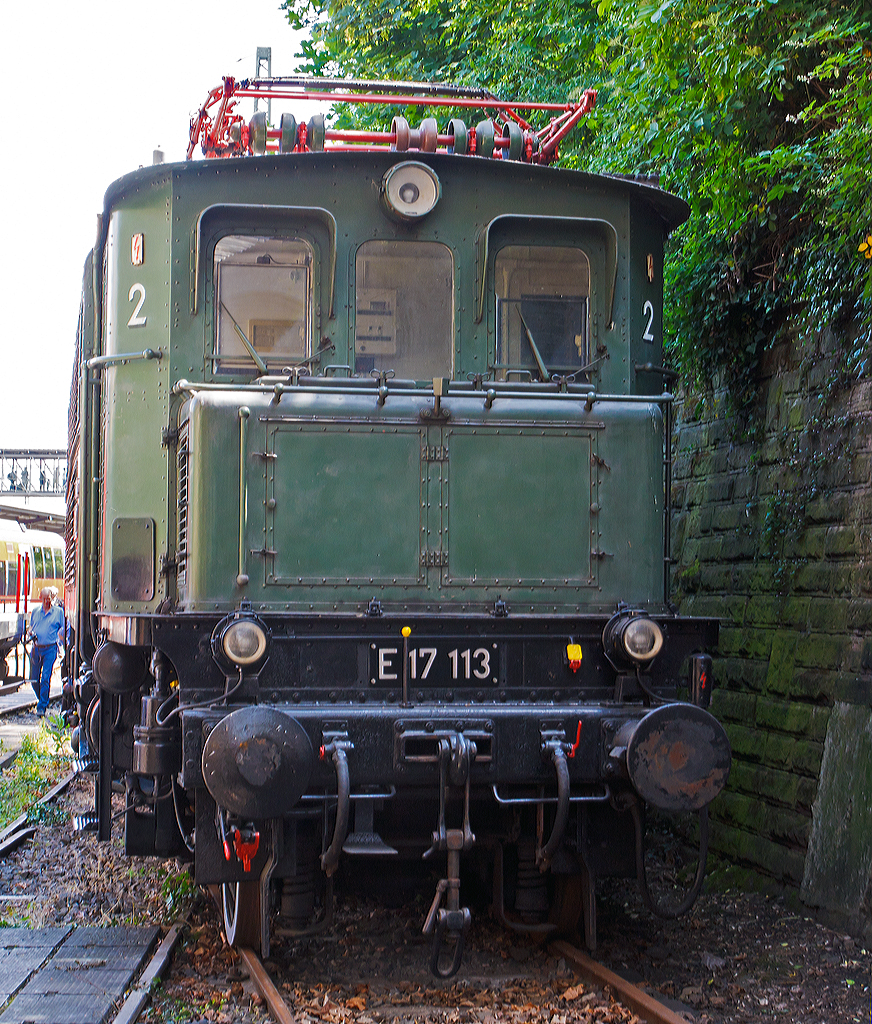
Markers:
point(240, 904)
point(92, 720)
point(567, 905)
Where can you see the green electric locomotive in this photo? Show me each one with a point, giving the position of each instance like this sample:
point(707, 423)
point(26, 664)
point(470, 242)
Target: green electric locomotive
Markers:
point(371, 536)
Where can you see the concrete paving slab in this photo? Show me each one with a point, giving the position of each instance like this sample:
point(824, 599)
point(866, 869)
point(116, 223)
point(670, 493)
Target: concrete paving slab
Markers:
point(23, 951)
point(29, 938)
point(80, 983)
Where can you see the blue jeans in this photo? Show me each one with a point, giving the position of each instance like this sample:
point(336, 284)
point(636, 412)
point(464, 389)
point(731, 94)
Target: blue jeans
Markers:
point(42, 660)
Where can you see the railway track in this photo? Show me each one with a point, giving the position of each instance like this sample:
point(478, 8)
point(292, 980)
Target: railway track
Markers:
point(65, 962)
point(80, 976)
point(642, 1003)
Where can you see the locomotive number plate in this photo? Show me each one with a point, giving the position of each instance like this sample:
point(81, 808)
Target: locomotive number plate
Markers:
point(446, 663)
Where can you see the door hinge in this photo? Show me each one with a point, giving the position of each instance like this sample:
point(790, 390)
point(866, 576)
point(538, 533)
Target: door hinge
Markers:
point(434, 453)
point(435, 558)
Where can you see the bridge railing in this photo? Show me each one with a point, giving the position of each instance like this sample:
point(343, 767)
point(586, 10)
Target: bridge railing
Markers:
point(33, 472)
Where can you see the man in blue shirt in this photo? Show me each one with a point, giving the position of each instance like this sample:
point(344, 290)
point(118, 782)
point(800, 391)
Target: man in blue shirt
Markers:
point(46, 630)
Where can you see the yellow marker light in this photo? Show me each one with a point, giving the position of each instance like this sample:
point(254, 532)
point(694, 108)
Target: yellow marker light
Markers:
point(573, 653)
point(406, 631)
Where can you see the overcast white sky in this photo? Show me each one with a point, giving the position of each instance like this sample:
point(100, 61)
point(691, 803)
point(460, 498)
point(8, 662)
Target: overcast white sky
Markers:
point(91, 89)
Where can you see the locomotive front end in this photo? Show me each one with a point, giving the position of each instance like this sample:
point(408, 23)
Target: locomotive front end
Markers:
point(382, 531)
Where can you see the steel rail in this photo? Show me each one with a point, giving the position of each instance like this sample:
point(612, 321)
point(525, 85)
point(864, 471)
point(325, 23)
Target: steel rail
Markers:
point(17, 831)
point(273, 998)
point(641, 1003)
point(140, 994)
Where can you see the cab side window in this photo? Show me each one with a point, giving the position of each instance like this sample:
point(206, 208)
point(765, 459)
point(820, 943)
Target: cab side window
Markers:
point(542, 305)
point(263, 302)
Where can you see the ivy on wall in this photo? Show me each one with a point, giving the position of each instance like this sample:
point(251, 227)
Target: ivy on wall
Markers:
point(760, 114)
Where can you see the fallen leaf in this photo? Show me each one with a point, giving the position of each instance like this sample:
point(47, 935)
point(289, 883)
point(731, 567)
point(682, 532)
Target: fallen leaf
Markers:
point(712, 962)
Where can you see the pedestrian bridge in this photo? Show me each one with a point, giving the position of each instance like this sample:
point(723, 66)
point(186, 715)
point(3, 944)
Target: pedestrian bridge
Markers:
point(36, 472)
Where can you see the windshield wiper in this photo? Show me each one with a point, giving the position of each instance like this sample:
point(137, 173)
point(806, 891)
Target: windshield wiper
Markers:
point(540, 362)
point(258, 362)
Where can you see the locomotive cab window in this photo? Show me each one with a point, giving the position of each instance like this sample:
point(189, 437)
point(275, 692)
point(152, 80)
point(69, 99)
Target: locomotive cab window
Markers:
point(542, 305)
point(404, 309)
point(263, 302)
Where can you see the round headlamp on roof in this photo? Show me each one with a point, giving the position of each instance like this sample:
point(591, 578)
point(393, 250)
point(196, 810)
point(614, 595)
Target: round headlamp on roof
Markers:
point(410, 190)
point(240, 641)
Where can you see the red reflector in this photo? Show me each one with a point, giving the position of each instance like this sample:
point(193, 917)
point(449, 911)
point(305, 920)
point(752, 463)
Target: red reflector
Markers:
point(245, 850)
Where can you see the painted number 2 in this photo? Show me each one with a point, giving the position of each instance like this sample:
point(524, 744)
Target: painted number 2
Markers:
point(648, 310)
point(135, 319)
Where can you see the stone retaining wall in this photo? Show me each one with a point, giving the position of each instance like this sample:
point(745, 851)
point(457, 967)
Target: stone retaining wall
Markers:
point(772, 533)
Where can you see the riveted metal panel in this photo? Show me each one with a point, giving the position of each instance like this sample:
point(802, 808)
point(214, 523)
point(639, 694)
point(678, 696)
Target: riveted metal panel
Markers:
point(134, 391)
point(503, 526)
point(345, 505)
point(133, 559)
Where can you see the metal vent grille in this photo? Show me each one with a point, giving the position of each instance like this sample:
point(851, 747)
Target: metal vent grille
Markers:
point(182, 553)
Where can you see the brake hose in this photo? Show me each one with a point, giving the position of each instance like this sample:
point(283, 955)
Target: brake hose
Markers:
point(545, 853)
point(656, 908)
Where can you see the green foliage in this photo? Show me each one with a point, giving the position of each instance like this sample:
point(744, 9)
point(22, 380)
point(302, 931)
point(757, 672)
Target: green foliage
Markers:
point(758, 112)
point(178, 890)
point(686, 580)
point(512, 47)
point(46, 814)
point(56, 728)
point(37, 767)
